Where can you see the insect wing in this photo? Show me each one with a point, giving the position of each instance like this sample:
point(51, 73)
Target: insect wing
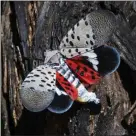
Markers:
point(38, 89)
point(68, 87)
point(93, 30)
point(86, 74)
point(61, 103)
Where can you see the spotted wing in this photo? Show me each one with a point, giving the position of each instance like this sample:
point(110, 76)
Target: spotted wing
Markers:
point(91, 31)
point(38, 89)
point(81, 35)
point(67, 86)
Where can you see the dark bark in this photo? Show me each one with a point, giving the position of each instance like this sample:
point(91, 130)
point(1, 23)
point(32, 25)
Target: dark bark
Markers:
point(36, 26)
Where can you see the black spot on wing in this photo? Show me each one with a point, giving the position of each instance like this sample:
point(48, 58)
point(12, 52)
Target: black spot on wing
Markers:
point(69, 50)
point(49, 72)
point(36, 75)
point(86, 42)
point(87, 35)
point(72, 36)
point(47, 78)
point(43, 81)
point(91, 42)
point(49, 90)
point(71, 43)
point(43, 73)
point(49, 85)
point(87, 50)
point(78, 38)
point(67, 40)
point(79, 53)
point(82, 73)
point(41, 85)
point(32, 88)
point(33, 80)
point(38, 70)
point(76, 50)
point(94, 37)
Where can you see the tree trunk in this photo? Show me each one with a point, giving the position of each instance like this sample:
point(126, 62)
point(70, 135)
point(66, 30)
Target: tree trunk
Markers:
point(28, 29)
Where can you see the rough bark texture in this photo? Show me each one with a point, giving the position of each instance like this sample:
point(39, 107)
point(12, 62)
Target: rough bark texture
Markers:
point(28, 29)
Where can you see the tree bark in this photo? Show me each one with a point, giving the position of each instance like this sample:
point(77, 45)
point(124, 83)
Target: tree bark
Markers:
point(28, 29)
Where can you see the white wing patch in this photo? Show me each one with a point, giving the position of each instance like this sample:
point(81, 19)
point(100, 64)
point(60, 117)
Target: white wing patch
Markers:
point(81, 35)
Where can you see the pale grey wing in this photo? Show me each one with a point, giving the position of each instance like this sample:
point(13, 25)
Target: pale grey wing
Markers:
point(92, 31)
point(38, 89)
point(81, 35)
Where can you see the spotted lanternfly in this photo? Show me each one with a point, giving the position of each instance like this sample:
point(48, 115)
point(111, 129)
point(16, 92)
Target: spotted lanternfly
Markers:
point(81, 62)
